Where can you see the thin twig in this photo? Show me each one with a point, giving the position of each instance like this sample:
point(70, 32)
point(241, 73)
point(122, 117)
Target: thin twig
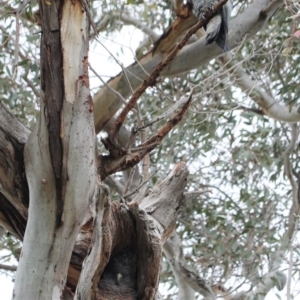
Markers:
point(113, 183)
point(142, 184)
point(143, 147)
point(178, 104)
point(110, 89)
point(166, 128)
point(87, 10)
point(145, 164)
point(131, 21)
point(17, 46)
point(125, 70)
point(30, 84)
point(129, 181)
point(290, 273)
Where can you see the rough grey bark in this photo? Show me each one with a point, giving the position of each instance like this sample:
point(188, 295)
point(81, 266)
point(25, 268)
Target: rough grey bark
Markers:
point(125, 252)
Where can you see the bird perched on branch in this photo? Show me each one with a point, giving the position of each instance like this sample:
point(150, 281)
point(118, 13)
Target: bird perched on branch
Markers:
point(217, 27)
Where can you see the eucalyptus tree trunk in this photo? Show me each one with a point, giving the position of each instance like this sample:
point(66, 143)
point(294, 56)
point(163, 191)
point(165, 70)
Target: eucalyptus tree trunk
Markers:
point(60, 158)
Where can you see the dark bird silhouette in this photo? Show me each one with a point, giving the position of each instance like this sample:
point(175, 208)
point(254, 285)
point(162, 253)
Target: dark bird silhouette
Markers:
point(217, 27)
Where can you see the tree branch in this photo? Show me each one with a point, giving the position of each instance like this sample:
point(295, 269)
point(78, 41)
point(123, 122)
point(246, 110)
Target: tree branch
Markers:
point(120, 158)
point(8, 268)
point(269, 105)
point(246, 24)
point(151, 80)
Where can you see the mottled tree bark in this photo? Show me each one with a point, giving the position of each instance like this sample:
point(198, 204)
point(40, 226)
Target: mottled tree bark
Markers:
point(60, 158)
point(123, 260)
point(14, 195)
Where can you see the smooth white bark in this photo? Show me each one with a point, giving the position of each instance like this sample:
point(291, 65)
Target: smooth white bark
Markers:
point(268, 104)
point(58, 204)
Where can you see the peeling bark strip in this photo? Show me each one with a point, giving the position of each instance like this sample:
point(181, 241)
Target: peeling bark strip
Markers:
point(52, 85)
point(71, 48)
point(60, 160)
point(52, 89)
point(184, 21)
point(100, 247)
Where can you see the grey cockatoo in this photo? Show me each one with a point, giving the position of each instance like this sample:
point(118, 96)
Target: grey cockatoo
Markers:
point(217, 27)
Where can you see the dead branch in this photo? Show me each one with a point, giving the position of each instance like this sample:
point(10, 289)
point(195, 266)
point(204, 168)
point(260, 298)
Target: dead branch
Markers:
point(112, 263)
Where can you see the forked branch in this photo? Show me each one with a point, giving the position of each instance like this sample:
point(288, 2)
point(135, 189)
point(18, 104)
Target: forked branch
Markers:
point(151, 80)
point(120, 159)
